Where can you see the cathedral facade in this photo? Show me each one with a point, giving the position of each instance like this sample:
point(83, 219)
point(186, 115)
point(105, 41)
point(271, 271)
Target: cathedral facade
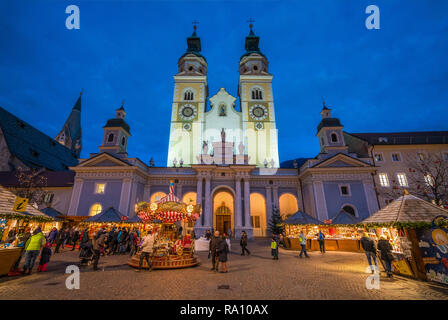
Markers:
point(221, 155)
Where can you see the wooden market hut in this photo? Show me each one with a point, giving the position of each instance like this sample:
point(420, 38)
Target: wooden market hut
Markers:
point(411, 216)
point(298, 221)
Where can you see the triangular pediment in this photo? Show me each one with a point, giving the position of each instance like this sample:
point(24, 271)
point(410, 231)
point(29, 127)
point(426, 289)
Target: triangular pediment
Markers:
point(103, 160)
point(341, 161)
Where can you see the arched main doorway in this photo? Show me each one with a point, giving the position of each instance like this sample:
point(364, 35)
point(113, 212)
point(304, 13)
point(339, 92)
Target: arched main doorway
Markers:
point(258, 214)
point(188, 198)
point(223, 209)
point(288, 205)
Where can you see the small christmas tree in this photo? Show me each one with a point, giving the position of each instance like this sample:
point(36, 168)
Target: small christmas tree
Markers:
point(275, 225)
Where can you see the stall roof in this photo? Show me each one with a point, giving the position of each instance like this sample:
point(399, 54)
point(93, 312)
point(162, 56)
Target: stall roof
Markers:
point(407, 208)
point(53, 213)
point(109, 215)
point(7, 199)
point(344, 217)
point(302, 218)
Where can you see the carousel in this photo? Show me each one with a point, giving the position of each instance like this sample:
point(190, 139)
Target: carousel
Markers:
point(170, 249)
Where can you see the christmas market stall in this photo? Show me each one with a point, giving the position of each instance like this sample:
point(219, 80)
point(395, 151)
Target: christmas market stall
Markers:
point(341, 233)
point(417, 231)
point(13, 225)
point(170, 249)
point(112, 218)
point(300, 222)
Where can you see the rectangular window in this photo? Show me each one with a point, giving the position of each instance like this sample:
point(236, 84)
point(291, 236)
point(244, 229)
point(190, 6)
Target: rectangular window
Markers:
point(100, 188)
point(421, 156)
point(48, 198)
point(384, 179)
point(378, 157)
point(402, 181)
point(396, 157)
point(344, 190)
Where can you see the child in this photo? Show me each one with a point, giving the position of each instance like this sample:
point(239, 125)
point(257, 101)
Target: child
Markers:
point(44, 257)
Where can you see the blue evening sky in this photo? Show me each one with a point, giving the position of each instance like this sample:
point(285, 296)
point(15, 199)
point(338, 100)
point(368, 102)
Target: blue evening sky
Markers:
point(387, 80)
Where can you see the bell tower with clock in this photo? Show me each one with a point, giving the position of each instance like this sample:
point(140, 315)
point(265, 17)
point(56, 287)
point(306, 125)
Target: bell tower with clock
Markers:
point(257, 105)
point(189, 104)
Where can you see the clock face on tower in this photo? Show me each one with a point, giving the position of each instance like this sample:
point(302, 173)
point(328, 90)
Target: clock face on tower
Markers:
point(258, 112)
point(187, 112)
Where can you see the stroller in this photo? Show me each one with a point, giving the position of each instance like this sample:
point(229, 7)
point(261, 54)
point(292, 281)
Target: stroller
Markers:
point(86, 254)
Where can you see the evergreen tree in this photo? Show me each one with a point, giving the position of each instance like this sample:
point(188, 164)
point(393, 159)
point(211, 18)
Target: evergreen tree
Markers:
point(275, 225)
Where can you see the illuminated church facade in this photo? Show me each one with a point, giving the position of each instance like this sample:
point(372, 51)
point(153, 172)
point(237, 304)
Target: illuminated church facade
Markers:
point(221, 155)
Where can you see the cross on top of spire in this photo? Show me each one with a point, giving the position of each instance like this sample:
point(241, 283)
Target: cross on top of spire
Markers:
point(195, 23)
point(251, 23)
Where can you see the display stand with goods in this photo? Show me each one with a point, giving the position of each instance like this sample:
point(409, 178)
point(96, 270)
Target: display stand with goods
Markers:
point(170, 250)
point(417, 232)
point(341, 233)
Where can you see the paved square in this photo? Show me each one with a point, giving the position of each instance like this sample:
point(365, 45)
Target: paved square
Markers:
point(334, 275)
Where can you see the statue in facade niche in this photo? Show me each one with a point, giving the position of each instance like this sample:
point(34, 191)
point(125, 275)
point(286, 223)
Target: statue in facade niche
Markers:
point(151, 162)
point(223, 135)
point(204, 147)
point(241, 148)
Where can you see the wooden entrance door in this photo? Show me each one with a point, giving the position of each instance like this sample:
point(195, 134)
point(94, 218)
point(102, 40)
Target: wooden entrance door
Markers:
point(223, 219)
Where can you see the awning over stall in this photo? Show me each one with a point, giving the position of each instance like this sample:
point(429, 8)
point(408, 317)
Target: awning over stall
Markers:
point(302, 218)
point(109, 215)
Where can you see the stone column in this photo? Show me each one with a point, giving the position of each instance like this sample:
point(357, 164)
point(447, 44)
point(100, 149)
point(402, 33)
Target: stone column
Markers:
point(275, 200)
point(125, 197)
point(147, 193)
point(208, 222)
point(247, 225)
point(268, 207)
point(74, 200)
point(299, 199)
point(369, 191)
point(179, 191)
point(198, 228)
point(319, 198)
point(238, 211)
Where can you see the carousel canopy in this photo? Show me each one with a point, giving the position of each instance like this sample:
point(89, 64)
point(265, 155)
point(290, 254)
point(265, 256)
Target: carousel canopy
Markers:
point(407, 208)
point(109, 215)
point(7, 199)
point(343, 217)
point(302, 218)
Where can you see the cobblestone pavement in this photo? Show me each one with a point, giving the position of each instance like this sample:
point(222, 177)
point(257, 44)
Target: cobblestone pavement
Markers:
point(334, 275)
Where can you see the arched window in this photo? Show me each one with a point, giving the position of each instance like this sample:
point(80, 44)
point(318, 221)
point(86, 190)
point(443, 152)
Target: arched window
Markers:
point(189, 95)
point(349, 209)
point(334, 137)
point(95, 209)
point(288, 205)
point(110, 138)
point(257, 94)
point(123, 141)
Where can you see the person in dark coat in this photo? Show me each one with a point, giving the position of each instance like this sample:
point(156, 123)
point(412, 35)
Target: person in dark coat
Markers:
point(243, 243)
point(84, 238)
point(59, 240)
point(386, 254)
point(52, 236)
point(75, 238)
point(275, 241)
point(213, 250)
point(369, 247)
point(223, 250)
point(44, 258)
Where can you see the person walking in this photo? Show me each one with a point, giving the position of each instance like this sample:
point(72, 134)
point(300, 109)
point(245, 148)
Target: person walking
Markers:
point(97, 246)
point(44, 258)
point(147, 247)
point(52, 236)
point(302, 240)
point(32, 249)
point(134, 243)
point(369, 247)
point(213, 250)
point(208, 234)
point(84, 238)
point(59, 240)
point(243, 243)
point(223, 250)
point(275, 241)
point(321, 240)
point(75, 238)
point(386, 254)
